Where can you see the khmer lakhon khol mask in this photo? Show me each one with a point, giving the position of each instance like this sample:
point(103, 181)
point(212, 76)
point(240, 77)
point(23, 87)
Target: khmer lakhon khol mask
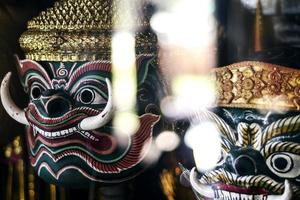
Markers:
point(67, 75)
point(257, 118)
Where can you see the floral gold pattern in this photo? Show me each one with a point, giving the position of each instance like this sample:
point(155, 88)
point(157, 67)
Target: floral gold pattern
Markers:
point(259, 85)
point(80, 30)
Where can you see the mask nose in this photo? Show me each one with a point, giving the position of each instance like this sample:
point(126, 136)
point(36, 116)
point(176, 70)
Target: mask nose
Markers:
point(246, 161)
point(245, 165)
point(57, 106)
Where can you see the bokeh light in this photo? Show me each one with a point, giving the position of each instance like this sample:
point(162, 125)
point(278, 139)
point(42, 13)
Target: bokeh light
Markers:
point(167, 141)
point(204, 139)
point(186, 32)
point(125, 121)
point(191, 94)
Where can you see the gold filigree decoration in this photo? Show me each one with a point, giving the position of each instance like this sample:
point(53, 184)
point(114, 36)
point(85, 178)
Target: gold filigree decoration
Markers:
point(80, 30)
point(258, 85)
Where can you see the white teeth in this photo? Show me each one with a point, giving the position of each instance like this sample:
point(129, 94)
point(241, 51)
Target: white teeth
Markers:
point(88, 135)
point(223, 195)
point(71, 130)
point(48, 134)
point(52, 135)
point(63, 133)
point(55, 134)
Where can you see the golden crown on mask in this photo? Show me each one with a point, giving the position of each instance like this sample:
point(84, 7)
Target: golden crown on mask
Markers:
point(80, 30)
point(258, 85)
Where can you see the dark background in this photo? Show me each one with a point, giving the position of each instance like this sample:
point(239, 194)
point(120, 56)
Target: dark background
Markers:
point(235, 43)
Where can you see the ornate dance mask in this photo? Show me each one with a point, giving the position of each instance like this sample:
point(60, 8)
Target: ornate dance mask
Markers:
point(67, 75)
point(258, 119)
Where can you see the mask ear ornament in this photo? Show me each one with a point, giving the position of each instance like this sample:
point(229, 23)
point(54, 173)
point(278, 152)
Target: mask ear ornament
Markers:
point(202, 189)
point(11, 108)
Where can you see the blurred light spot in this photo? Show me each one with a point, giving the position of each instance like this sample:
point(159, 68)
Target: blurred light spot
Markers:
point(123, 54)
point(199, 91)
point(191, 94)
point(186, 23)
point(124, 83)
point(126, 123)
point(8, 151)
point(269, 7)
point(250, 3)
point(186, 32)
point(124, 92)
point(167, 141)
point(204, 139)
point(151, 152)
point(177, 171)
point(160, 22)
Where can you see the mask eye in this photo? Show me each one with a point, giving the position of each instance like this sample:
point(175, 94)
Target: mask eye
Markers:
point(36, 92)
point(89, 96)
point(284, 165)
point(86, 96)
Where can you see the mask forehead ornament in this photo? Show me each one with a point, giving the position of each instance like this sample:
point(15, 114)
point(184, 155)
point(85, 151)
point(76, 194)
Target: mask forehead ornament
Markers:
point(67, 75)
point(257, 116)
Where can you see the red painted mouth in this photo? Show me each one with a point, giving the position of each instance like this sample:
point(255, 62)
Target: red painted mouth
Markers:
point(61, 131)
point(137, 147)
point(224, 191)
point(240, 190)
point(67, 120)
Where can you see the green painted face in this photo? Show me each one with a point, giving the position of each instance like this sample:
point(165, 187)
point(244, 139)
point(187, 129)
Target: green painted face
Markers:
point(258, 121)
point(260, 156)
point(70, 135)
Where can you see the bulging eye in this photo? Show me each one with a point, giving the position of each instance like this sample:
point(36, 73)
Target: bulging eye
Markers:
point(284, 165)
point(89, 96)
point(36, 92)
point(86, 96)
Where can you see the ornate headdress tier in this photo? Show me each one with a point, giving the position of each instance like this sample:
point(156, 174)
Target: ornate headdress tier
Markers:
point(80, 30)
point(258, 85)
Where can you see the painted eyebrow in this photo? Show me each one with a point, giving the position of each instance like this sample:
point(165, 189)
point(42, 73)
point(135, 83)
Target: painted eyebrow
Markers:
point(249, 134)
point(280, 127)
point(91, 79)
point(88, 67)
point(97, 85)
point(31, 67)
point(279, 146)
